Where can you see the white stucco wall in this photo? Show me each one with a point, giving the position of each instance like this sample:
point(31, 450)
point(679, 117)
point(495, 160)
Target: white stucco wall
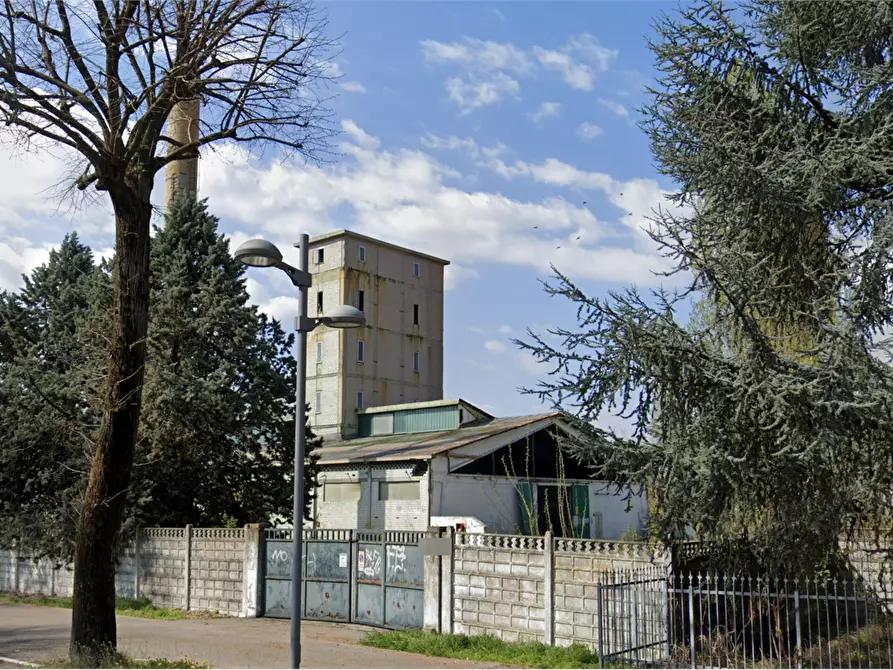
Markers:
point(494, 500)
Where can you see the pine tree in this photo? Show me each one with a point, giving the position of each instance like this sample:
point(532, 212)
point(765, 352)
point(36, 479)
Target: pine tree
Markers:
point(219, 387)
point(217, 429)
point(765, 423)
point(45, 417)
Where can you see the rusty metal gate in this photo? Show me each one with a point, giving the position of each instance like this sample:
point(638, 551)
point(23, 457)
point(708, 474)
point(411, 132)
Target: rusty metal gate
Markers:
point(374, 578)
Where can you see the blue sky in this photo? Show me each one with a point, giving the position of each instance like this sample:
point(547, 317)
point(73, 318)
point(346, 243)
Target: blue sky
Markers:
point(486, 133)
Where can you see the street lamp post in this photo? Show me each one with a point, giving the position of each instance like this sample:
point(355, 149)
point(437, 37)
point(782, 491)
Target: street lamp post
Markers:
point(262, 254)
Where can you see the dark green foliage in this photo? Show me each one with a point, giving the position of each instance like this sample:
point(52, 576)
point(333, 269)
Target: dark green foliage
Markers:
point(766, 422)
point(217, 429)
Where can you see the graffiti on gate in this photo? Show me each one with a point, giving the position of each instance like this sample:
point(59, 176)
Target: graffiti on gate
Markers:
point(279, 556)
point(369, 563)
point(396, 559)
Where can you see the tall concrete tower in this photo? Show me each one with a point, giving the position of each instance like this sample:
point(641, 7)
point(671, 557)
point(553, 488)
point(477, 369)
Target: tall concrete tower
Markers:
point(182, 175)
point(398, 356)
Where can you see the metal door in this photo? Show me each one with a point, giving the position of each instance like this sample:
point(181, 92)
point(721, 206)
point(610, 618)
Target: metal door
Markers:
point(326, 571)
point(390, 579)
point(374, 578)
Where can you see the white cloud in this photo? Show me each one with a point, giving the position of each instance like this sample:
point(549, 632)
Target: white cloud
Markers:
point(476, 329)
point(466, 144)
point(614, 107)
point(636, 199)
point(402, 195)
point(495, 346)
point(576, 75)
point(353, 87)
point(491, 68)
point(454, 274)
point(545, 111)
point(18, 256)
point(407, 197)
point(506, 330)
point(480, 92)
point(588, 131)
point(588, 48)
point(498, 14)
point(480, 55)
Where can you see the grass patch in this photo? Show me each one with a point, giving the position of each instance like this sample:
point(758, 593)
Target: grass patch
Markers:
point(483, 648)
point(122, 661)
point(141, 607)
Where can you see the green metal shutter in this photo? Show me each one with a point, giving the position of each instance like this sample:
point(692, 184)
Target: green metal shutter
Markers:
point(579, 495)
point(426, 420)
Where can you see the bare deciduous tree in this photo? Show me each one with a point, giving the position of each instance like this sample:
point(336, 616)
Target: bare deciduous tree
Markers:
point(100, 79)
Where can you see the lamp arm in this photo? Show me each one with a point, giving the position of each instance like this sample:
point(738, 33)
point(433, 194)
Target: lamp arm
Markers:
point(300, 278)
point(306, 324)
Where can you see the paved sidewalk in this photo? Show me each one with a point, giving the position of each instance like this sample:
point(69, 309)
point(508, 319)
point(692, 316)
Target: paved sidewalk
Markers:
point(31, 633)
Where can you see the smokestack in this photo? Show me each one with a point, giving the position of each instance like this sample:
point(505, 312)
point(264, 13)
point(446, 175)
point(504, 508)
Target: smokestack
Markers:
point(182, 175)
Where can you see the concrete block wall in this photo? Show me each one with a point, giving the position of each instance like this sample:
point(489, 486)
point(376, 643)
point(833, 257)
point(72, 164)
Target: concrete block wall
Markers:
point(548, 589)
point(184, 568)
point(216, 570)
point(580, 565)
point(44, 577)
point(7, 571)
point(163, 566)
point(500, 587)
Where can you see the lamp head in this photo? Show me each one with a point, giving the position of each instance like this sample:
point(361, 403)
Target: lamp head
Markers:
point(258, 253)
point(343, 316)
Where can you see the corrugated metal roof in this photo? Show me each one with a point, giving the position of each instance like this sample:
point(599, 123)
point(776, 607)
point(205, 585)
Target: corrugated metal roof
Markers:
point(420, 446)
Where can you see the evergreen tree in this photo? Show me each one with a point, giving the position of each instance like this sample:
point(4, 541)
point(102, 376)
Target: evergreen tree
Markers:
point(220, 388)
point(46, 419)
point(766, 421)
point(217, 429)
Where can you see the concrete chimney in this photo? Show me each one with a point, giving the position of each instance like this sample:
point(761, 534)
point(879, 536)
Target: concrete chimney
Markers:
point(182, 175)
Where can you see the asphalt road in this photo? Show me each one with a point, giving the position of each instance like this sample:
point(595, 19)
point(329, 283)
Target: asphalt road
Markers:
point(31, 633)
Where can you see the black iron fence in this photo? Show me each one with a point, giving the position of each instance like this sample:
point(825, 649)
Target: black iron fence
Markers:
point(713, 620)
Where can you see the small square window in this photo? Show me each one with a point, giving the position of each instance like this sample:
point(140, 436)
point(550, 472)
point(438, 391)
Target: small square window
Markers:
point(361, 351)
point(361, 301)
point(320, 256)
point(359, 400)
point(318, 406)
point(415, 361)
point(319, 352)
point(362, 254)
point(319, 303)
point(415, 315)
point(416, 270)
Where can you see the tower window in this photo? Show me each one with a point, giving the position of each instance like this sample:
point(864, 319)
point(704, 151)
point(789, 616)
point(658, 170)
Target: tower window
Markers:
point(416, 270)
point(361, 351)
point(318, 352)
point(318, 406)
point(320, 256)
point(415, 361)
point(361, 301)
point(318, 302)
point(415, 315)
point(359, 400)
point(362, 254)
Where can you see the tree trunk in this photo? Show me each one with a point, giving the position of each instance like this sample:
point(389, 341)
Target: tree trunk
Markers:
point(93, 629)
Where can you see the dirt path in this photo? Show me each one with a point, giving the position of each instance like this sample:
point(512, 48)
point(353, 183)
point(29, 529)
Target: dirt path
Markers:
point(32, 633)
